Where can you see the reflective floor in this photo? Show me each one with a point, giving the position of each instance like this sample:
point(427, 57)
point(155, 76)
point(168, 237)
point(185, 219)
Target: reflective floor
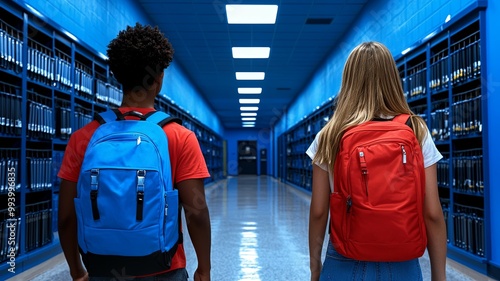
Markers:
point(259, 232)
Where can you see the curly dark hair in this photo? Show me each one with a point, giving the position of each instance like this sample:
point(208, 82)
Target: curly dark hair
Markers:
point(138, 55)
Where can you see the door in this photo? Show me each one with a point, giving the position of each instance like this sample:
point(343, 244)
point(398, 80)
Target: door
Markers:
point(247, 157)
point(263, 161)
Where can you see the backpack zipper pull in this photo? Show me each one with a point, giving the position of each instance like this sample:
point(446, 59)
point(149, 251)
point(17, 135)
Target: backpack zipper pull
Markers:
point(404, 154)
point(364, 168)
point(94, 187)
point(141, 181)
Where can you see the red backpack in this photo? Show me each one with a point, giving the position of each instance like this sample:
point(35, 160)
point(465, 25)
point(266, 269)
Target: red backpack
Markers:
point(376, 209)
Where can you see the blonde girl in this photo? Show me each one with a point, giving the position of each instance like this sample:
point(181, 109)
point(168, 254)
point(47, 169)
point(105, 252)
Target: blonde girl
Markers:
point(371, 89)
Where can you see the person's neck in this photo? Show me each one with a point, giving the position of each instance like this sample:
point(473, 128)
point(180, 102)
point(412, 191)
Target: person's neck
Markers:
point(138, 105)
point(140, 100)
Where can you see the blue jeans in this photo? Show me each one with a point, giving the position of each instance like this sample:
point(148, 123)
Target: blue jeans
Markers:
point(338, 267)
point(174, 275)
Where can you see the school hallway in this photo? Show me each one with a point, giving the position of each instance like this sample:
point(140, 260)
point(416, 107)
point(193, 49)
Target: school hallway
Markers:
point(259, 232)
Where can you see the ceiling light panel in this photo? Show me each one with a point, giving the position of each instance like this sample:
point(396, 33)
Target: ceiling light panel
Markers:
point(249, 90)
point(249, 108)
point(251, 14)
point(248, 119)
point(250, 101)
point(249, 114)
point(250, 75)
point(251, 52)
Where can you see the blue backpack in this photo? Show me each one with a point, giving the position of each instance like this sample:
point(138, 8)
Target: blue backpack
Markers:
point(127, 210)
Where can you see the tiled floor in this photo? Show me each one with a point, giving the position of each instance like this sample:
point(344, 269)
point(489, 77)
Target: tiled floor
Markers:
point(259, 232)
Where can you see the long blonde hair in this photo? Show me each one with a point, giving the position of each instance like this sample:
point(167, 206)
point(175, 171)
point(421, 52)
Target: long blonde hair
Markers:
point(371, 87)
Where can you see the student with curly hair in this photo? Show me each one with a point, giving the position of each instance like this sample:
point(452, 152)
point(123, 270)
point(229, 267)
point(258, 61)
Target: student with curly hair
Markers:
point(371, 94)
point(138, 57)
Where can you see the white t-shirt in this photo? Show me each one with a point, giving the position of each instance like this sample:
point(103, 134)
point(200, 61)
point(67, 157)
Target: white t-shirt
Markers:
point(430, 152)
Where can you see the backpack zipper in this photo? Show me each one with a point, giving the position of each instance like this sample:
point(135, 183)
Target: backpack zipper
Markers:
point(364, 169)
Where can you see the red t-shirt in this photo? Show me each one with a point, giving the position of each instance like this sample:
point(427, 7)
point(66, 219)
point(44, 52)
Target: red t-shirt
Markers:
point(186, 160)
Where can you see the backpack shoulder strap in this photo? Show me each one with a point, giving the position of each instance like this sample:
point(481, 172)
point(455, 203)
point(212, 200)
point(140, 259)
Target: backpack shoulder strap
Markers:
point(108, 116)
point(402, 118)
point(161, 118)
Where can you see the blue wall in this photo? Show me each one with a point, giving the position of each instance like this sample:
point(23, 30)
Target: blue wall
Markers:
point(492, 96)
point(263, 138)
point(97, 22)
point(396, 23)
point(176, 86)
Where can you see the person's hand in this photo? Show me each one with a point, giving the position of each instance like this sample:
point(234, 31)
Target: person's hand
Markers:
point(85, 277)
point(201, 276)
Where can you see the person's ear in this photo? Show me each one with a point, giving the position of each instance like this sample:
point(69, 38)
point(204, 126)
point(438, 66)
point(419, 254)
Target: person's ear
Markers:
point(159, 78)
point(159, 81)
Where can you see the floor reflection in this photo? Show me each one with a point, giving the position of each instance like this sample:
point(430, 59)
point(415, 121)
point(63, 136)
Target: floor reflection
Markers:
point(259, 230)
point(249, 262)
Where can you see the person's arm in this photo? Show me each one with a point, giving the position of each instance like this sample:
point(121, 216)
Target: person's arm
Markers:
point(318, 217)
point(436, 226)
point(67, 227)
point(192, 196)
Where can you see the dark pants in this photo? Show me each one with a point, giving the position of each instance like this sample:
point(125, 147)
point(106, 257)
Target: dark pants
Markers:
point(174, 275)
